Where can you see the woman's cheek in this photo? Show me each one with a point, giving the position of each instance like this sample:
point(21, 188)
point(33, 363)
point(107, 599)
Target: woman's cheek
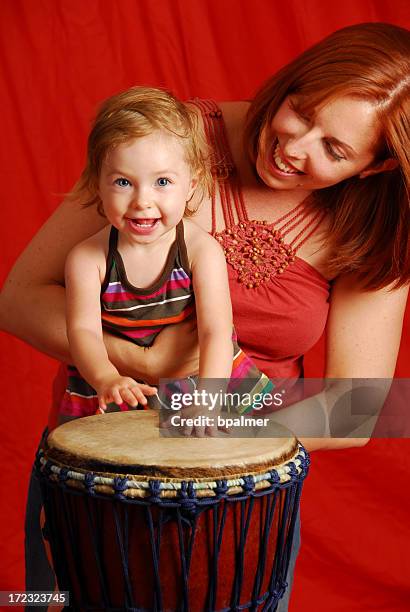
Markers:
point(323, 174)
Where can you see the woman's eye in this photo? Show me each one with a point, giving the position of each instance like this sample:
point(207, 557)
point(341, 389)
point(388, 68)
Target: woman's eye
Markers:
point(333, 153)
point(162, 181)
point(122, 182)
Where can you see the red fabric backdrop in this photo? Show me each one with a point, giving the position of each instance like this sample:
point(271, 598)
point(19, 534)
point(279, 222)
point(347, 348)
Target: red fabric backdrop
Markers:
point(58, 59)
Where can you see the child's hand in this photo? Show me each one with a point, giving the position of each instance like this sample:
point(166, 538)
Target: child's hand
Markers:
point(120, 389)
point(196, 421)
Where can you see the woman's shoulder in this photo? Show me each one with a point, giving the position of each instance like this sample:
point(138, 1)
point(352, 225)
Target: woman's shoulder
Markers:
point(234, 108)
point(233, 111)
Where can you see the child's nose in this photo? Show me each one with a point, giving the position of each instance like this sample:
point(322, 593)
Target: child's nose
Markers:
point(141, 198)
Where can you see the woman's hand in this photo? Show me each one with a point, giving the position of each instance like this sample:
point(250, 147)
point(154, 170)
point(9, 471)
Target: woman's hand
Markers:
point(129, 358)
point(175, 352)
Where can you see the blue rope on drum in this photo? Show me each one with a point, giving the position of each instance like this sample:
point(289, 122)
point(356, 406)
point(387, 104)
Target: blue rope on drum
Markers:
point(80, 513)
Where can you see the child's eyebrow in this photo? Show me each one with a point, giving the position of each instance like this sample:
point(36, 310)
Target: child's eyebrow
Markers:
point(154, 173)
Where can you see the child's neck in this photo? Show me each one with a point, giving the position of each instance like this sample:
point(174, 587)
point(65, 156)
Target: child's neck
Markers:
point(144, 262)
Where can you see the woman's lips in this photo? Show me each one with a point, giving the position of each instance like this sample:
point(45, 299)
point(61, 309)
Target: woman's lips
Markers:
point(279, 164)
point(142, 226)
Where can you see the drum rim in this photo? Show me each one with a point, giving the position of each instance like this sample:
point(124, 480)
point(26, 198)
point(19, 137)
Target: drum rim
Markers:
point(137, 486)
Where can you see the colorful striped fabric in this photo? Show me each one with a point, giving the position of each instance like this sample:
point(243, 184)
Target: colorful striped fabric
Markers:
point(140, 314)
point(248, 386)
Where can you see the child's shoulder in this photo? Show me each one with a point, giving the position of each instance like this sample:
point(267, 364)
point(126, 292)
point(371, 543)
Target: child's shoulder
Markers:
point(95, 245)
point(194, 233)
point(197, 240)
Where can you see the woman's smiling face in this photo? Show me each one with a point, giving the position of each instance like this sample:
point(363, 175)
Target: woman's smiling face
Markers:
point(312, 152)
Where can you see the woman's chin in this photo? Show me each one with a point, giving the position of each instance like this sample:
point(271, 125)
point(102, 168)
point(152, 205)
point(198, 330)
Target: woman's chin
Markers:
point(274, 182)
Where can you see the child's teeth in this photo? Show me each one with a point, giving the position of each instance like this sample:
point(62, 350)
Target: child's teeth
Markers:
point(144, 222)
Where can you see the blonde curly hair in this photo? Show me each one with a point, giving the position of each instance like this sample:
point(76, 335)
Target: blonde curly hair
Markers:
point(135, 113)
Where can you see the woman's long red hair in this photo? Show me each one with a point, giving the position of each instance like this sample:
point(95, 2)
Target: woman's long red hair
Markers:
point(369, 218)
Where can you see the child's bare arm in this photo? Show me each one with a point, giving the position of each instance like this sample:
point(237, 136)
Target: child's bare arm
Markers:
point(85, 268)
point(213, 308)
point(214, 319)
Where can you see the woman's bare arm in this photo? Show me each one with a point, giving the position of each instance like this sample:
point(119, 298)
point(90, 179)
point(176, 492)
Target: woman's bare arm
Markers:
point(363, 338)
point(32, 301)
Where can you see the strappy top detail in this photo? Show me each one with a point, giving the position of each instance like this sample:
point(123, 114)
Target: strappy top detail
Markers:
point(280, 301)
point(257, 250)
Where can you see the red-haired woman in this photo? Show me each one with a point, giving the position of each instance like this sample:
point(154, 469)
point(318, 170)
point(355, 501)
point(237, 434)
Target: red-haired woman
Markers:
point(312, 210)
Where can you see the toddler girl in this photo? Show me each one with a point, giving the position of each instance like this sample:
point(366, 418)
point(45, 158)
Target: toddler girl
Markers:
point(152, 266)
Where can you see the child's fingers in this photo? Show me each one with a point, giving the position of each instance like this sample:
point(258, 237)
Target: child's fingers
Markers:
point(102, 404)
point(187, 430)
point(126, 391)
point(199, 431)
point(128, 396)
point(147, 390)
point(139, 394)
point(116, 396)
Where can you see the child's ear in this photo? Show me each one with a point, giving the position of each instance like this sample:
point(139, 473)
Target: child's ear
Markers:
point(383, 166)
point(192, 187)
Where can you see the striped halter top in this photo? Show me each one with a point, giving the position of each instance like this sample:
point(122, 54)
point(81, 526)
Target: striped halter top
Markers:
point(140, 314)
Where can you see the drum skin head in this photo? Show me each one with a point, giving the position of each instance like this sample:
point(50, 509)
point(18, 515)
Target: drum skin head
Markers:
point(131, 443)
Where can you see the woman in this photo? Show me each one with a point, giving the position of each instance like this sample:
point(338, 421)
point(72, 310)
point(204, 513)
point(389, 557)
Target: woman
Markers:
point(326, 166)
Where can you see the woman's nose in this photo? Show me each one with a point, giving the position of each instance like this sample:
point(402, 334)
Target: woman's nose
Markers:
point(299, 146)
point(296, 148)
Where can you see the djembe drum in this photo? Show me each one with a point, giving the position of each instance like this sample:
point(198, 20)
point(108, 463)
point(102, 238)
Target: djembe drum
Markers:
point(139, 522)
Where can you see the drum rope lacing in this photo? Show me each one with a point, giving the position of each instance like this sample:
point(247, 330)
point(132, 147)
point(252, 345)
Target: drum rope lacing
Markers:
point(288, 472)
point(285, 484)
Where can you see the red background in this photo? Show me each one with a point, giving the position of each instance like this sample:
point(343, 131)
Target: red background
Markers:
point(58, 59)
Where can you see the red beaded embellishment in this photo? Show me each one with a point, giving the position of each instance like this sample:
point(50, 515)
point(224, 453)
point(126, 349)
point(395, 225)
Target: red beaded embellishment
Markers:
point(256, 250)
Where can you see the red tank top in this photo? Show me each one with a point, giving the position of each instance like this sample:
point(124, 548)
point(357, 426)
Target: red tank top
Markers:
point(280, 302)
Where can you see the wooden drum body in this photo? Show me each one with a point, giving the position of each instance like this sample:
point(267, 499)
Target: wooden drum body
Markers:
point(141, 522)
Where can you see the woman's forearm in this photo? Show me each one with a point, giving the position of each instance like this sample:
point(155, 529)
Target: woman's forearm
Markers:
point(37, 316)
point(32, 300)
point(343, 415)
point(39, 319)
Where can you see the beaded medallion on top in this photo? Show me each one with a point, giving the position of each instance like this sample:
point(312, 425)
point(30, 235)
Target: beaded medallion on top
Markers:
point(256, 250)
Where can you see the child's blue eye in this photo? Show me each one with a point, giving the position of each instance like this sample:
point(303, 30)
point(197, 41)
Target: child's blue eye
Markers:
point(162, 181)
point(122, 182)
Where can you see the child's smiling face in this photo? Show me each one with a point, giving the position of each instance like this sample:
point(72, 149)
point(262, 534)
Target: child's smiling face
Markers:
point(144, 186)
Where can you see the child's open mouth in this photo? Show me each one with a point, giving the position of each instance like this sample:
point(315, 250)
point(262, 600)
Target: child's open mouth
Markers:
point(142, 226)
